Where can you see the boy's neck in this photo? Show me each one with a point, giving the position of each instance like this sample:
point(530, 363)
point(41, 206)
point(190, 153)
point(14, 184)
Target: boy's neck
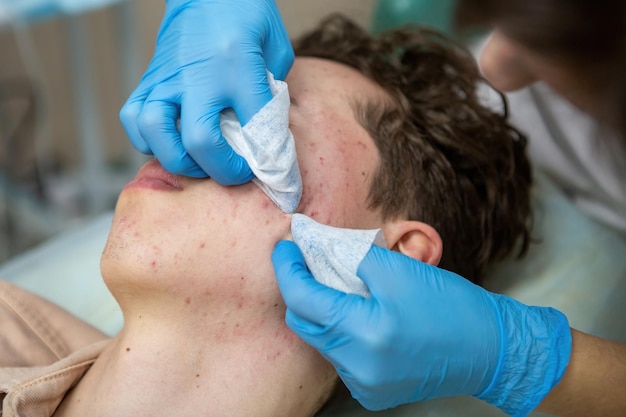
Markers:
point(168, 362)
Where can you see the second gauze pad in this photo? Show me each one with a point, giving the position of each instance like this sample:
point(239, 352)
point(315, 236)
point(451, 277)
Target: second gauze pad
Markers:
point(333, 254)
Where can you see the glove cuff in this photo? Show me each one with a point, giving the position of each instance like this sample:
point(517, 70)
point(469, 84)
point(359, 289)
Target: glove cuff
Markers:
point(537, 344)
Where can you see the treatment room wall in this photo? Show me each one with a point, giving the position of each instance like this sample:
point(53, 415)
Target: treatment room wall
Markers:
point(50, 40)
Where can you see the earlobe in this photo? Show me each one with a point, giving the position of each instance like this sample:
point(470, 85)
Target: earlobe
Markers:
point(415, 239)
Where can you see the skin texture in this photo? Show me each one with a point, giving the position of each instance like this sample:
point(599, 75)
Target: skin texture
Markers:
point(190, 266)
point(593, 384)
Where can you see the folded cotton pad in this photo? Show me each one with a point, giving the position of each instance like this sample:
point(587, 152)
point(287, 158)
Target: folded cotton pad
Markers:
point(267, 144)
point(333, 254)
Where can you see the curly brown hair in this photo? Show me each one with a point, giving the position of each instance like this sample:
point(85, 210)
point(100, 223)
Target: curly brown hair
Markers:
point(446, 159)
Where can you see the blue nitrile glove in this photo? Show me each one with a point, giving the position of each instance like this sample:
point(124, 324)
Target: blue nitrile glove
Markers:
point(425, 333)
point(210, 55)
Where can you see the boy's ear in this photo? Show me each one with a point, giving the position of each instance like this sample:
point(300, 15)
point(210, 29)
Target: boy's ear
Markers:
point(415, 239)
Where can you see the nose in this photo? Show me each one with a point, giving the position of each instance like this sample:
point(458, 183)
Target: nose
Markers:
point(504, 64)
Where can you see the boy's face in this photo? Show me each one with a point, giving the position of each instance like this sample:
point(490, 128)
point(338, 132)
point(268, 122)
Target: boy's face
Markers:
point(196, 231)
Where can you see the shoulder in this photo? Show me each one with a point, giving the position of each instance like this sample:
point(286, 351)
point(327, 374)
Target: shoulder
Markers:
point(36, 332)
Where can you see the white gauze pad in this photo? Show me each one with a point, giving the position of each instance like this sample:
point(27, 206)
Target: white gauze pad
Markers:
point(333, 254)
point(267, 144)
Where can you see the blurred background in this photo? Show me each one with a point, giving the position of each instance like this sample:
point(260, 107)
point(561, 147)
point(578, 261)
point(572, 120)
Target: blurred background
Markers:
point(66, 68)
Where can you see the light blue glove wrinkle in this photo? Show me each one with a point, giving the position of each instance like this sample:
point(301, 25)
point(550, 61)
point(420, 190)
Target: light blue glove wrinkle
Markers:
point(537, 349)
point(424, 333)
point(210, 55)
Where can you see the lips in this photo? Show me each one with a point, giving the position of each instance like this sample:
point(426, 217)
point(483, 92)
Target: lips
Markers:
point(153, 176)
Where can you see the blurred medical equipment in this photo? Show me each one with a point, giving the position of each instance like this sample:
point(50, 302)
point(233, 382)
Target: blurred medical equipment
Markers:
point(393, 13)
point(27, 216)
point(28, 10)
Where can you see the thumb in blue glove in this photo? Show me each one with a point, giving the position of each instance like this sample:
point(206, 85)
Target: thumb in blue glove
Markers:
point(210, 55)
point(425, 333)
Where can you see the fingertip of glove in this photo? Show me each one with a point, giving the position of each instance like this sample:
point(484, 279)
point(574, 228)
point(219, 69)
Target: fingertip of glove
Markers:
point(288, 261)
point(372, 258)
point(285, 243)
point(285, 250)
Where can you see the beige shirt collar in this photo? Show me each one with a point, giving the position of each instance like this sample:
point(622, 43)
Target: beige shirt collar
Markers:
point(38, 391)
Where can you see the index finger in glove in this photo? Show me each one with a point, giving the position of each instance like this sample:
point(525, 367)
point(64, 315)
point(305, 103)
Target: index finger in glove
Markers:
point(129, 114)
point(202, 138)
point(304, 296)
point(278, 52)
point(389, 274)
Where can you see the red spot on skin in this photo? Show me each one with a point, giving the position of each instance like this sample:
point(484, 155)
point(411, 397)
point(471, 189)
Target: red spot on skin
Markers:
point(202, 245)
point(153, 264)
point(188, 300)
point(322, 160)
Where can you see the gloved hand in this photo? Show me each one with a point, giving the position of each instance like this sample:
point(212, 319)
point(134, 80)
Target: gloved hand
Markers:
point(210, 55)
point(425, 333)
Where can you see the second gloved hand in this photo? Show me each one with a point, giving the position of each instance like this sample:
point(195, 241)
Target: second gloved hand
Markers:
point(210, 55)
point(425, 333)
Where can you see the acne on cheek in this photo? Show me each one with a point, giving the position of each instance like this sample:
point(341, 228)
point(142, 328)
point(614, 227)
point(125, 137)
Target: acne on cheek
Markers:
point(315, 196)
